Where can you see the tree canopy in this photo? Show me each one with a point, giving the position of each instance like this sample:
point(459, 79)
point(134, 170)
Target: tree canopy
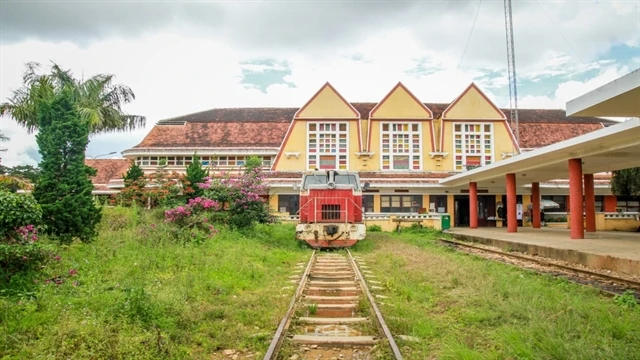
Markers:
point(626, 182)
point(64, 189)
point(97, 100)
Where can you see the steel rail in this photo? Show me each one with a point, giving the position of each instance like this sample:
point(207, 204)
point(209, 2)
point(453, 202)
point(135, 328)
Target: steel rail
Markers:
point(276, 342)
point(379, 319)
point(546, 263)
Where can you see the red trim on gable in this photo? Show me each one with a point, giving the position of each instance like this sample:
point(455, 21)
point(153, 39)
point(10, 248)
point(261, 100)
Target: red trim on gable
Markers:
point(474, 86)
point(284, 142)
point(401, 85)
point(512, 135)
point(327, 84)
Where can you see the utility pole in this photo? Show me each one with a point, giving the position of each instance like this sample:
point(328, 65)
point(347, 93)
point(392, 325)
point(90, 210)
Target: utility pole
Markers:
point(511, 62)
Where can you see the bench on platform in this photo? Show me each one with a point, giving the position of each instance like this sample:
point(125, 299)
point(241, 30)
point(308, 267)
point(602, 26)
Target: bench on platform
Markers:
point(399, 221)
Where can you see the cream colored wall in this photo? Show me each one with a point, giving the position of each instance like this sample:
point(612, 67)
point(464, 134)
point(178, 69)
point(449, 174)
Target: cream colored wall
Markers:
point(472, 105)
point(400, 105)
point(503, 142)
point(296, 142)
point(355, 164)
point(327, 104)
point(451, 209)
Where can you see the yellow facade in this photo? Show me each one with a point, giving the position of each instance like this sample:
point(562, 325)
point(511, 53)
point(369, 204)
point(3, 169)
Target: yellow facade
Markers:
point(327, 104)
point(473, 107)
point(293, 156)
point(397, 106)
point(400, 104)
point(472, 104)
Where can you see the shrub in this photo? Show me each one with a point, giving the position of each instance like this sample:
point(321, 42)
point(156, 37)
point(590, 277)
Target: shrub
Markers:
point(241, 198)
point(374, 228)
point(18, 210)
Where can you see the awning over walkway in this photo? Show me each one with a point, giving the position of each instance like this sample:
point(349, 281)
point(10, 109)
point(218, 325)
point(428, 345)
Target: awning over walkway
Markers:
point(612, 148)
point(619, 98)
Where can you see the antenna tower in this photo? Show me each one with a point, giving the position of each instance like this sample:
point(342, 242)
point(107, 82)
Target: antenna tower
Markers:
point(511, 61)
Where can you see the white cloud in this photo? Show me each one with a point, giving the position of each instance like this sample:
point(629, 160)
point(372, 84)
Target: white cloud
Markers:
point(177, 74)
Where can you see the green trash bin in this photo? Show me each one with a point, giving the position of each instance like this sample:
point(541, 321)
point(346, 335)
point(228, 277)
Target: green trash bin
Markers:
point(445, 221)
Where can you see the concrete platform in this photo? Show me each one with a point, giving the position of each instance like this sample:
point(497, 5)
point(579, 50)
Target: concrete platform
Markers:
point(611, 250)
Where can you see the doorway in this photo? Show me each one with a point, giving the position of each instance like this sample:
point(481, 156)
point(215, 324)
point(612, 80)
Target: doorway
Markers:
point(486, 209)
point(461, 210)
point(518, 202)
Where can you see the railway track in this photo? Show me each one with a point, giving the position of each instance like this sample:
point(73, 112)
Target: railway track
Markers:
point(332, 314)
point(609, 284)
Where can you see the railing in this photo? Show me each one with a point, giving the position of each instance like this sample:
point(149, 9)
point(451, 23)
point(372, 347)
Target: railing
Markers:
point(622, 215)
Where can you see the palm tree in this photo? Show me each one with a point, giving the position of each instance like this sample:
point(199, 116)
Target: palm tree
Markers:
point(98, 99)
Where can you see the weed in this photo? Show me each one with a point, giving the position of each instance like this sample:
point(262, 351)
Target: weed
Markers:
point(312, 309)
point(627, 299)
point(374, 228)
point(362, 308)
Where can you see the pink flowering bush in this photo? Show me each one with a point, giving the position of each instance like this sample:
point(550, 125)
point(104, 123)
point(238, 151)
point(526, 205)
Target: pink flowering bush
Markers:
point(242, 196)
point(20, 251)
point(234, 201)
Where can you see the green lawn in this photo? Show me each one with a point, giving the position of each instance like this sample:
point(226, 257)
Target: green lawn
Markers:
point(137, 297)
point(465, 307)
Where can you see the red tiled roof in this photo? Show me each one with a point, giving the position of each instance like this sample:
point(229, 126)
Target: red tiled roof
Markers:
point(107, 169)
point(217, 134)
point(539, 134)
point(266, 127)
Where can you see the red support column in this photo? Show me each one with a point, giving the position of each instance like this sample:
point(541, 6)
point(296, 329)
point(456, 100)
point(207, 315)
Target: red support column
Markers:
point(575, 198)
point(535, 205)
point(512, 219)
point(590, 202)
point(473, 205)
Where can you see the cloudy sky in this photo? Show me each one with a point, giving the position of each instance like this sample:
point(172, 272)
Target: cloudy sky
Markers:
point(187, 56)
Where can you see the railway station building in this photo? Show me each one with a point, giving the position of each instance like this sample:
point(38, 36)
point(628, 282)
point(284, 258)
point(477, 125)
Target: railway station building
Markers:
point(414, 154)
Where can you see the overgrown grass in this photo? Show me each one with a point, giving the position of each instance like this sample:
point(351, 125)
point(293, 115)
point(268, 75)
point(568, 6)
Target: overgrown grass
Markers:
point(465, 307)
point(135, 297)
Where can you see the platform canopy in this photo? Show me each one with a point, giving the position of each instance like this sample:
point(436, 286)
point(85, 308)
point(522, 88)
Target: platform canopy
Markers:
point(619, 98)
point(612, 148)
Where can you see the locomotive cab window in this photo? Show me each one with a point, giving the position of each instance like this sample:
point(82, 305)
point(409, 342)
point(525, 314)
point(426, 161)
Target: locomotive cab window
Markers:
point(324, 178)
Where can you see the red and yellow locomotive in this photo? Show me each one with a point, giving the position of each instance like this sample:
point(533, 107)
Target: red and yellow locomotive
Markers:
point(331, 214)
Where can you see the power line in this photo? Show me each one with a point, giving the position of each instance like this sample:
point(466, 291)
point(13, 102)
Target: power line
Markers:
point(470, 34)
point(573, 50)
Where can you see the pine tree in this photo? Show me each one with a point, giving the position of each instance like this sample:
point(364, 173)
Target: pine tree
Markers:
point(64, 189)
point(134, 173)
point(195, 175)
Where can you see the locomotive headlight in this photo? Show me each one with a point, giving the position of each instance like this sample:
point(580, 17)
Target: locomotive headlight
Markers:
point(307, 227)
point(353, 227)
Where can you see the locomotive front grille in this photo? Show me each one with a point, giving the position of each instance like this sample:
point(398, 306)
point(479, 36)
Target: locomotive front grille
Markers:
point(330, 212)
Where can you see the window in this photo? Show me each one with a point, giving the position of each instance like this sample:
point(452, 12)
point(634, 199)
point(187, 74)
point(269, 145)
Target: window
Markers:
point(400, 203)
point(472, 145)
point(367, 203)
point(628, 204)
point(215, 161)
point(289, 203)
point(561, 200)
point(327, 146)
point(439, 203)
point(400, 144)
